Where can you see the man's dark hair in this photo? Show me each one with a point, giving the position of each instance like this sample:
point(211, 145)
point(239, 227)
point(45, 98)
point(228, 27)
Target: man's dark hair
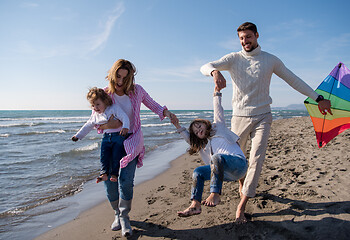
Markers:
point(248, 26)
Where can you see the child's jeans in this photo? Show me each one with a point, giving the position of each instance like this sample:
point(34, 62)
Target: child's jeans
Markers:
point(222, 168)
point(112, 150)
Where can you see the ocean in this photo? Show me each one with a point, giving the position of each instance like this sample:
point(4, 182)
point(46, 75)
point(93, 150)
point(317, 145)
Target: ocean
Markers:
point(46, 179)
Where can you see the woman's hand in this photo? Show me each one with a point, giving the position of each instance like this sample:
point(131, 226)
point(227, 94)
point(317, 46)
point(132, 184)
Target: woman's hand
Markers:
point(175, 121)
point(124, 132)
point(172, 117)
point(111, 124)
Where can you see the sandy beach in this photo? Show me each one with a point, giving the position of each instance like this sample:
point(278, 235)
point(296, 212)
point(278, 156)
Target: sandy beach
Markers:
point(303, 193)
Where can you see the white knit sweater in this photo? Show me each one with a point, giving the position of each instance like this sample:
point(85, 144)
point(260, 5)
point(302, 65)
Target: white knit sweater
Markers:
point(251, 76)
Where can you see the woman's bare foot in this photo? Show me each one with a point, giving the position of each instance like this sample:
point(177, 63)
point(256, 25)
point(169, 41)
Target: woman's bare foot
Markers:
point(212, 200)
point(101, 178)
point(193, 209)
point(114, 178)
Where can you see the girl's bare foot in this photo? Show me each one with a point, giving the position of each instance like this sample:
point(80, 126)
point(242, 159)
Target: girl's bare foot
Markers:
point(212, 200)
point(101, 178)
point(193, 209)
point(114, 178)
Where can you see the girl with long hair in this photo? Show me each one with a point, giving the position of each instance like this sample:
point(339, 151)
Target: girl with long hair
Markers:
point(222, 155)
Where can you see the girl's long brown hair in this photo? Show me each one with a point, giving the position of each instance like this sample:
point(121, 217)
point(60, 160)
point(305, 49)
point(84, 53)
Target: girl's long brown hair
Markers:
point(196, 143)
point(129, 81)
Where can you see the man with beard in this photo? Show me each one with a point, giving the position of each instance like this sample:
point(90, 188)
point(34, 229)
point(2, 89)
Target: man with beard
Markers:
point(251, 70)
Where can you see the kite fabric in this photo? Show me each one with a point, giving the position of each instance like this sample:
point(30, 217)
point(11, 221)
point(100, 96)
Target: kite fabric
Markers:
point(336, 88)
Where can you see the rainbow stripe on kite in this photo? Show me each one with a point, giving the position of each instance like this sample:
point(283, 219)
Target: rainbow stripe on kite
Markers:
point(336, 88)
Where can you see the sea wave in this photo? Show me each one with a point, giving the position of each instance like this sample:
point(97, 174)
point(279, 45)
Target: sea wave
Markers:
point(155, 124)
point(87, 148)
point(62, 192)
point(41, 132)
point(77, 151)
point(33, 124)
point(25, 124)
point(43, 118)
point(4, 135)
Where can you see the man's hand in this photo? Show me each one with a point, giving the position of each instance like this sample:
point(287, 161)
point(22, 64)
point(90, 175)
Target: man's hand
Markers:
point(111, 124)
point(325, 106)
point(219, 80)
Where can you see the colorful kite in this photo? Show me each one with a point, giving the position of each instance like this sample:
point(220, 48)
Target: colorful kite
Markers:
point(336, 88)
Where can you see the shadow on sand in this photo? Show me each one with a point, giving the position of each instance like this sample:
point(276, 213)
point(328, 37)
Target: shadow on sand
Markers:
point(325, 228)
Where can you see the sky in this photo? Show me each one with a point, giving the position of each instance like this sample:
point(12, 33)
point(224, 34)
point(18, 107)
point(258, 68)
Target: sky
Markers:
point(52, 52)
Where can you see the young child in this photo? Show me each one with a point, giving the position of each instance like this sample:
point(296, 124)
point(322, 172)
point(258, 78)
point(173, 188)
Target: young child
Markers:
point(111, 146)
point(220, 152)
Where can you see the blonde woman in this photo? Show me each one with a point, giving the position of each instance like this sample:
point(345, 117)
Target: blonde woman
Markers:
point(128, 96)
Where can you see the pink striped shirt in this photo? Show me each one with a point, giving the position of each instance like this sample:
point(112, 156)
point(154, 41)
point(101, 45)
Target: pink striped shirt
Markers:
point(134, 144)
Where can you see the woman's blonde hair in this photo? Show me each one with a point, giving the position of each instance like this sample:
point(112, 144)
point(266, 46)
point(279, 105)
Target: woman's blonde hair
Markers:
point(129, 79)
point(196, 143)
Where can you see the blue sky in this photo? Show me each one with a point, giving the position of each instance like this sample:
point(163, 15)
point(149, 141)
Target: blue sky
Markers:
point(53, 51)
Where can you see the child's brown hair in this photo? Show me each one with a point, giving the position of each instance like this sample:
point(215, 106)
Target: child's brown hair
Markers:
point(98, 93)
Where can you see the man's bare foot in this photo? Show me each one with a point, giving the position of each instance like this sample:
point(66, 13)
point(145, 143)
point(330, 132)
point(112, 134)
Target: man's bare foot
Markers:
point(241, 181)
point(193, 209)
point(240, 218)
point(114, 178)
point(212, 200)
point(101, 178)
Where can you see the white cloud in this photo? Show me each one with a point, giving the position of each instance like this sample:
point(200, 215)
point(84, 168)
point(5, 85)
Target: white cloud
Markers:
point(78, 47)
point(98, 40)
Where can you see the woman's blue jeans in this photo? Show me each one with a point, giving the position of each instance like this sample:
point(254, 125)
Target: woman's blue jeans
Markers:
point(124, 188)
point(222, 168)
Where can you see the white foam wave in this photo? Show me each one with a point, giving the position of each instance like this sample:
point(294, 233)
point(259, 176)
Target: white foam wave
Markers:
point(4, 135)
point(87, 148)
point(43, 118)
point(156, 125)
point(30, 124)
point(43, 132)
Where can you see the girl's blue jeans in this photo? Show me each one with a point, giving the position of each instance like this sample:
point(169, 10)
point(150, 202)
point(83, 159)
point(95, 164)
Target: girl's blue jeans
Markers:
point(112, 150)
point(124, 188)
point(222, 168)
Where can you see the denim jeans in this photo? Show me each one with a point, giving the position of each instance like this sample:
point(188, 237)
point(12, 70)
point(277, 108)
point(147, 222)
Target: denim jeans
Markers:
point(124, 188)
point(222, 168)
point(112, 150)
